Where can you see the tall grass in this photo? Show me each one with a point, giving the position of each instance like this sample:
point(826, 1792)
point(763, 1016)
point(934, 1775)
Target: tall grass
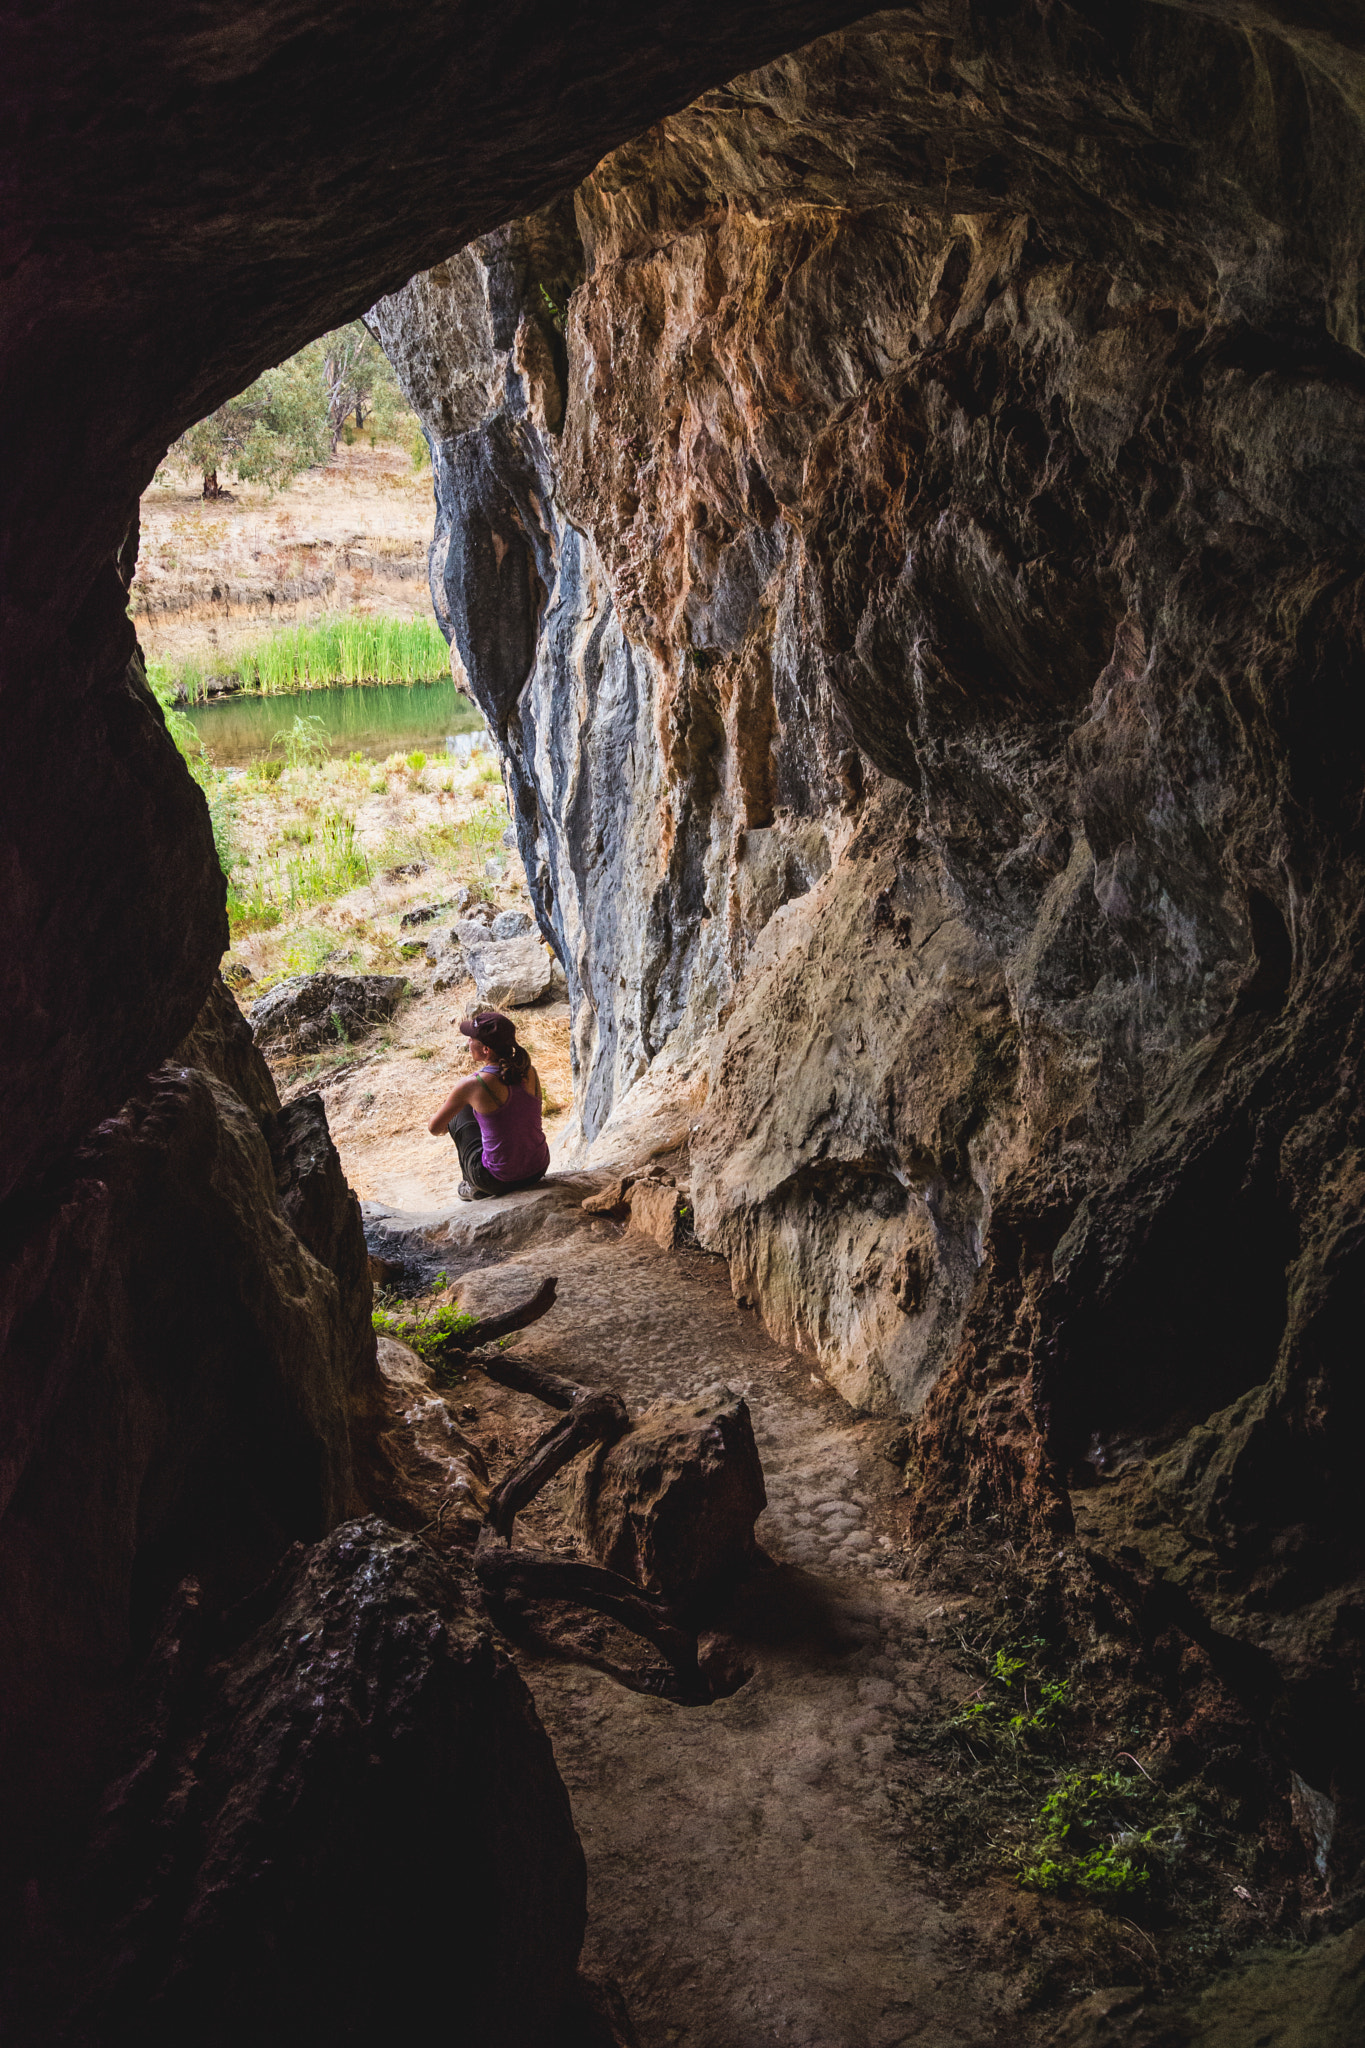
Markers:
point(344, 650)
point(330, 865)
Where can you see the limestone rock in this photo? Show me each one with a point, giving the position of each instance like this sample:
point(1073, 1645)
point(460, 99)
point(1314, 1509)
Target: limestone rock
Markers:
point(358, 1777)
point(511, 924)
point(437, 1460)
point(654, 1206)
point(312, 1010)
point(509, 973)
point(221, 1043)
point(672, 1504)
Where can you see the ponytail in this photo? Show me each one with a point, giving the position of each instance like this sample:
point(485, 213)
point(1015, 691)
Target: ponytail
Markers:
point(515, 1067)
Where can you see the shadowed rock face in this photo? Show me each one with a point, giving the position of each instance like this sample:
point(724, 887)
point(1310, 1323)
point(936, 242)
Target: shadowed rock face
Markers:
point(355, 1774)
point(926, 656)
point(189, 1386)
point(188, 203)
point(903, 522)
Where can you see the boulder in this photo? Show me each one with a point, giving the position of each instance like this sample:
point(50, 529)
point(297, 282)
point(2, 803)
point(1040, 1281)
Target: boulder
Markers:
point(439, 1465)
point(511, 924)
point(220, 1043)
point(190, 1385)
point(509, 973)
point(672, 1503)
point(311, 1010)
point(355, 1775)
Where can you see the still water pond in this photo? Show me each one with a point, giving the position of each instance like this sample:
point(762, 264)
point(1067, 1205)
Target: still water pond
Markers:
point(366, 718)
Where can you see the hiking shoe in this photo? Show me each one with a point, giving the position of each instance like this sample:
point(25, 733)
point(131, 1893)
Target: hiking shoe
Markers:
point(466, 1192)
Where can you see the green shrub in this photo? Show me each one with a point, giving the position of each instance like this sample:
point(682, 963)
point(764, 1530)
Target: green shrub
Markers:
point(304, 742)
point(428, 1335)
point(417, 761)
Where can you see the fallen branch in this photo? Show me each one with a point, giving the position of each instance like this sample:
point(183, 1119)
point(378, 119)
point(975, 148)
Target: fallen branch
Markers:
point(537, 1576)
point(593, 1419)
point(489, 1328)
point(590, 1417)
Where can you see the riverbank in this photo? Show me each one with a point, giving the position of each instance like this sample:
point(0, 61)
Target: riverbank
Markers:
point(345, 541)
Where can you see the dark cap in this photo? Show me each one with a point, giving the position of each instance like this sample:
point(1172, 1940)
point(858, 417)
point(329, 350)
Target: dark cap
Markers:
point(492, 1029)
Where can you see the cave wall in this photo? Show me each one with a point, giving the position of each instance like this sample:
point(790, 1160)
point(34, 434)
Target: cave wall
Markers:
point(186, 1364)
point(915, 582)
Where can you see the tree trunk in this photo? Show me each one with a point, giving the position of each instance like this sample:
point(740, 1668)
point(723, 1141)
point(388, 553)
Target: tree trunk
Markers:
point(210, 483)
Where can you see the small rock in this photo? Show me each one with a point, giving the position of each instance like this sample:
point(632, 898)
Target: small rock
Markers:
point(672, 1503)
point(405, 870)
point(654, 1206)
point(511, 924)
point(495, 869)
point(509, 837)
point(423, 913)
point(236, 973)
point(311, 1010)
point(607, 1199)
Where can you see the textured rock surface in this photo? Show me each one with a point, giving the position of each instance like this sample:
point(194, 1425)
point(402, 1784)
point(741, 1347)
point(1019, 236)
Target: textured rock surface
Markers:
point(923, 658)
point(148, 278)
point(437, 1463)
point(362, 1778)
point(902, 696)
point(509, 973)
point(189, 1386)
point(311, 1010)
point(672, 1503)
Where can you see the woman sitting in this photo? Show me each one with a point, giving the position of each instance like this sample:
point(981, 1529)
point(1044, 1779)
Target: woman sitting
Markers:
point(494, 1113)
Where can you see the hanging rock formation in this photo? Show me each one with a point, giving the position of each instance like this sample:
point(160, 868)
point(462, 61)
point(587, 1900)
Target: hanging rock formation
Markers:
point(904, 530)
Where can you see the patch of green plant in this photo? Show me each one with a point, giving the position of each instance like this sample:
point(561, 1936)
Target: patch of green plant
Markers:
point(1013, 1705)
point(307, 950)
point(417, 761)
point(1088, 1837)
point(427, 1334)
point(304, 742)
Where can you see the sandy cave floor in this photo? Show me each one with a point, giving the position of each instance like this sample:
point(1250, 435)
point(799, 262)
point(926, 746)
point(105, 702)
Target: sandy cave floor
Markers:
point(748, 1882)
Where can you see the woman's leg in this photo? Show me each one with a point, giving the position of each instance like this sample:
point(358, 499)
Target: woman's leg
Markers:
point(469, 1144)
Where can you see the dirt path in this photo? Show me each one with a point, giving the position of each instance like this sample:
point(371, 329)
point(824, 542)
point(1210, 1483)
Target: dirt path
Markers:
point(747, 1883)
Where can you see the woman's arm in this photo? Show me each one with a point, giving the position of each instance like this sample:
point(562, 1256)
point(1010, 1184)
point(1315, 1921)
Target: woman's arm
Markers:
point(472, 1091)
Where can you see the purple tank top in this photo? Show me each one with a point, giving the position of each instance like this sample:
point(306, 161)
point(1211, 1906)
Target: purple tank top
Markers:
point(514, 1146)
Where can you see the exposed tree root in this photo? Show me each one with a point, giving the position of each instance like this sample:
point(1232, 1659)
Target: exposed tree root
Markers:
point(590, 1417)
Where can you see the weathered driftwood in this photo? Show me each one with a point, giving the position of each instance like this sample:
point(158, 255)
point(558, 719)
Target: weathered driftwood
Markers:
point(590, 1417)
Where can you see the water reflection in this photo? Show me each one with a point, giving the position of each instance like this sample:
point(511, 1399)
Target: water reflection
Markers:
point(365, 718)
